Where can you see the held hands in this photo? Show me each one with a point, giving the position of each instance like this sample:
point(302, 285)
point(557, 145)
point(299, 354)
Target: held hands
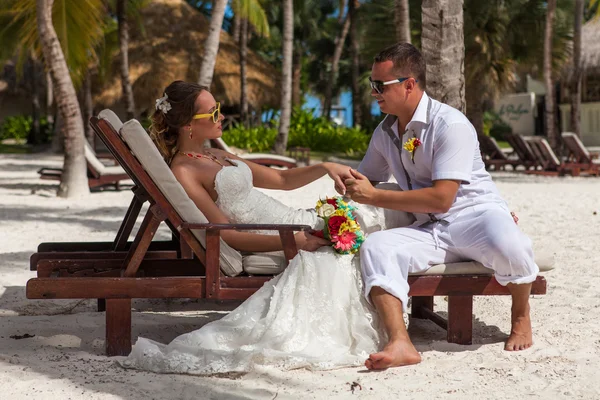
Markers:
point(339, 173)
point(359, 188)
point(308, 242)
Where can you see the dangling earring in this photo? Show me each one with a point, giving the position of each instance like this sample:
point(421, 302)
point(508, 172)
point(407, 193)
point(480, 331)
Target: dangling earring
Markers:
point(190, 132)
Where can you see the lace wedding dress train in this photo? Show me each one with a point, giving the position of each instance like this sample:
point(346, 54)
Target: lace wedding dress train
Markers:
point(313, 315)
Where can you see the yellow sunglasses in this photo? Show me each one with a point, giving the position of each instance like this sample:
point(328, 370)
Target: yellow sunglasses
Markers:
point(214, 115)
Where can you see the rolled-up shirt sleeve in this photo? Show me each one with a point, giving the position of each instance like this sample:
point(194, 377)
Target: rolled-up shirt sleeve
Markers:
point(374, 165)
point(453, 153)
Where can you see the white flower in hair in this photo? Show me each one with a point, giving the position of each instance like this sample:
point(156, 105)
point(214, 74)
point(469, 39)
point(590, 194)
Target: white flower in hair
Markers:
point(162, 104)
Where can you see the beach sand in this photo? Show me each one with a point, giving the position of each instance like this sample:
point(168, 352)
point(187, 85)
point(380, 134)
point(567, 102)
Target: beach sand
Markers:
point(64, 359)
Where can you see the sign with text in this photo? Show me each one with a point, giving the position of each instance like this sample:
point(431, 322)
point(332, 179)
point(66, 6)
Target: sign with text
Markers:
point(518, 111)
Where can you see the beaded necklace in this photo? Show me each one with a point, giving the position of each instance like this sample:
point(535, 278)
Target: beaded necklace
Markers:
point(198, 156)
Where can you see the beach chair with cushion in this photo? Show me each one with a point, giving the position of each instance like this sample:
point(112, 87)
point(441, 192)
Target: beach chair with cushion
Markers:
point(578, 153)
point(209, 268)
point(98, 173)
point(269, 160)
point(493, 156)
point(196, 273)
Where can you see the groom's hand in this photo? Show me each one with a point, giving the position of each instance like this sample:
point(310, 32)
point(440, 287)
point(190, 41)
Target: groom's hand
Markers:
point(359, 188)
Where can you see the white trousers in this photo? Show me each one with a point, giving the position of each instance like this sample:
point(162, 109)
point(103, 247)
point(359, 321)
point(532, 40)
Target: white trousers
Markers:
point(484, 233)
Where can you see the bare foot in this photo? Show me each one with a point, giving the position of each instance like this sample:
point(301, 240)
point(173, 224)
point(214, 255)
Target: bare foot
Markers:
point(520, 334)
point(395, 354)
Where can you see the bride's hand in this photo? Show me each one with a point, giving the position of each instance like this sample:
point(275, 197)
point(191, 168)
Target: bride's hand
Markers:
point(339, 173)
point(308, 242)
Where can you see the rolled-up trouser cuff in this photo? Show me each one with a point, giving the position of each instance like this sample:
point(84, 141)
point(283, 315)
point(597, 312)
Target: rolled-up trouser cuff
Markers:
point(517, 280)
point(396, 289)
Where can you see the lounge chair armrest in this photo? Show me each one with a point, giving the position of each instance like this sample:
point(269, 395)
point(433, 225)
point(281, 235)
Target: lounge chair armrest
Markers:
point(246, 227)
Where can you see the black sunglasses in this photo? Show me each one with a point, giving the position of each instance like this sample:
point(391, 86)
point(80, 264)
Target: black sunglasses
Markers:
point(378, 86)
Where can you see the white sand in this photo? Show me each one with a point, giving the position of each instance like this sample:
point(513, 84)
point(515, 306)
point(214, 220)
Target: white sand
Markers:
point(65, 359)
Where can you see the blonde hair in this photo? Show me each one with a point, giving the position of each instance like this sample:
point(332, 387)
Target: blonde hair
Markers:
point(164, 129)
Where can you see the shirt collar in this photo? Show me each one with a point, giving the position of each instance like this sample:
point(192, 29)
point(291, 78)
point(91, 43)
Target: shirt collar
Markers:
point(422, 111)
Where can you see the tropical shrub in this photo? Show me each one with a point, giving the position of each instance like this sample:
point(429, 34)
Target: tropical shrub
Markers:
point(494, 126)
point(306, 130)
point(19, 127)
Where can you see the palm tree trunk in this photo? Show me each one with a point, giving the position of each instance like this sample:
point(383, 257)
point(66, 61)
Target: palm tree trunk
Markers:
point(355, 72)
point(124, 47)
point(297, 77)
point(211, 46)
point(88, 107)
point(50, 111)
point(286, 81)
point(577, 71)
point(235, 29)
point(549, 102)
point(35, 136)
point(335, 67)
point(443, 45)
point(74, 177)
point(475, 99)
point(243, 73)
point(402, 21)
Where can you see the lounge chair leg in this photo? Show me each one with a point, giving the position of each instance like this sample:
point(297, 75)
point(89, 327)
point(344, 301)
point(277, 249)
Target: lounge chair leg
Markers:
point(118, 327)
point(419, 302)
point(101, 305)
point(460, 319)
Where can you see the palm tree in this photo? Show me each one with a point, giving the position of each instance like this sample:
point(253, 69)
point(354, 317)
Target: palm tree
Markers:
point(211, 46)
point(124, 59)
point(355, 62)
point(577, 70)
point(549, 98)
point(286, 81)
point(248, 13)
point(335, 65)
point(74, 177)
point(402, 21)
point(442, 42)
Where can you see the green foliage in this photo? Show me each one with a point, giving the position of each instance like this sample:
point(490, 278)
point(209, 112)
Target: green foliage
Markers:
point(494, 126)
point(306, 130)
point(20, 126)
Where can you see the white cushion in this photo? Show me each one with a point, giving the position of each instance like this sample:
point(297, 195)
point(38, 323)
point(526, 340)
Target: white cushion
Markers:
point(264, 263)
point(112, 119)
point(146, 152)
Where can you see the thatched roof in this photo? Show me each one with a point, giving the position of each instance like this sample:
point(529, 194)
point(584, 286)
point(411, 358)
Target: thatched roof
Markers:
point(172, 49)
point(590, 44)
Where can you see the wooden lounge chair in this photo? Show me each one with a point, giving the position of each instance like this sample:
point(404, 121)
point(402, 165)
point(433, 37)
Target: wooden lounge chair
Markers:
point(551, 164)
point(98, 173)
point(493, 156)
point(220, 272)
point(578, 153)
point(269, 160)
point(522, 149)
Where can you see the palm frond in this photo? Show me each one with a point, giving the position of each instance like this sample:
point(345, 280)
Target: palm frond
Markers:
point(253, 11)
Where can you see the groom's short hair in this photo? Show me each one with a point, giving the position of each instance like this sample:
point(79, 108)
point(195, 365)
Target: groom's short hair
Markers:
point(407, 61)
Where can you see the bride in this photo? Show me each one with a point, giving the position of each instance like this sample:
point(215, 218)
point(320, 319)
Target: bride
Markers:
point(313, 315)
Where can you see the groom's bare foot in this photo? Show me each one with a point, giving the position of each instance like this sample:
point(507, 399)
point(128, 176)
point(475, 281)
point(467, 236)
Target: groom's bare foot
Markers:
point(521, 336)
point(395, 354)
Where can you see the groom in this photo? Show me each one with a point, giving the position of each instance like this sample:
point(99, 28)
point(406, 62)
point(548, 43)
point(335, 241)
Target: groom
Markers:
point(432, 151)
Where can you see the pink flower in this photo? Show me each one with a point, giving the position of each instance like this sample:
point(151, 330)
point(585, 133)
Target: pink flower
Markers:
point(345, 241)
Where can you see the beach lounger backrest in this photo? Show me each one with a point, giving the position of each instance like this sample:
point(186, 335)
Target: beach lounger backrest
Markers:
point(149, 157)
point(576, 147)
point(544, 152)
point(521, 147)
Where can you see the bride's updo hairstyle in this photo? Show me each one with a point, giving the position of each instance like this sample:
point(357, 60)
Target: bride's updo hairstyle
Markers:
point(172, 111)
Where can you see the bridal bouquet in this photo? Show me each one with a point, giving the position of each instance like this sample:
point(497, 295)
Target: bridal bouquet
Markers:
point(341, 227)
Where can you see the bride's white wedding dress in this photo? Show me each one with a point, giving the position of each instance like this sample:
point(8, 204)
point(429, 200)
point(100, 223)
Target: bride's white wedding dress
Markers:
point(313, 315)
